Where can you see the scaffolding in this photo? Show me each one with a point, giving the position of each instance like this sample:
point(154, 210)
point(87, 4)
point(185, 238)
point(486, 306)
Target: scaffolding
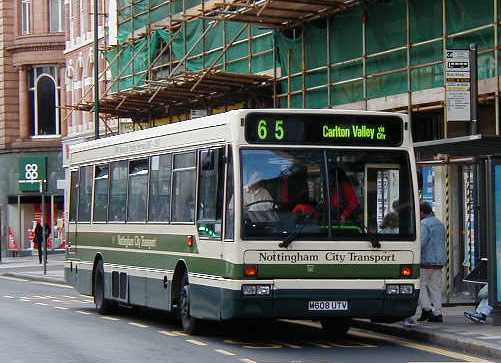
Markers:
point(299, 54)
point(175, 56)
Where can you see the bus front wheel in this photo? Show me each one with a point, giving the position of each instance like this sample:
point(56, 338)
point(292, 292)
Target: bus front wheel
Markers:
point(336, 327)
point(190, 324)
point(103, 305)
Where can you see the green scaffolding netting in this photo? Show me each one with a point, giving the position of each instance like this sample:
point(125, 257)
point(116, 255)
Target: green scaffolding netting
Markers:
point(322, 63)
point(129, 63)
point(251, 51)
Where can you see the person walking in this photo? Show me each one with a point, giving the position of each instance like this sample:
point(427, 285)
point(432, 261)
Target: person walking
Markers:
point(433, 258)
point(38, 239)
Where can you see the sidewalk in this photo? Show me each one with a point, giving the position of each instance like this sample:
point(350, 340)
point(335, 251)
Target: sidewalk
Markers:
point(29, 268)
point(456, 332)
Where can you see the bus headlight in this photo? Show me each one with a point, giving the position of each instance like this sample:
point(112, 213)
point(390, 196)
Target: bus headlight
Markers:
point(263, 290)
point(394, 289)
point(406, 289)
point(253, 290)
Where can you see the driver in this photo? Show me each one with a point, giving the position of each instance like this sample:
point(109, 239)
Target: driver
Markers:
point(256, 196)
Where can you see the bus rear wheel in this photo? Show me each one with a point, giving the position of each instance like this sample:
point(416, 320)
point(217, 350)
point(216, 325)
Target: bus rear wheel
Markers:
point(336, 327)
point(103, 306)
point(189, 324)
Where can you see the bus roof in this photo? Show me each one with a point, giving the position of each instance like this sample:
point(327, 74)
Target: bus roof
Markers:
point(225, 127)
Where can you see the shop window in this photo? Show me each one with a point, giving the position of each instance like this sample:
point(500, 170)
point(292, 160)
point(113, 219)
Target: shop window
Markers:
point(25, 16)
point(44, 99)
point(183, 187)
point(210, 193)
point(84, 194)
point(56, 11)
point(160, 179)
point(73, 195)
point(138, 190)
point(101, 193)
point(118, 191)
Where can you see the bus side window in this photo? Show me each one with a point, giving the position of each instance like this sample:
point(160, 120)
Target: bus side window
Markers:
point(138, 190)
point(101, 193)
point(85, 194)
point(73, 196)
point(229, 231)
point(183, 187)
point(118, 191)
point(160, 178)
point(210, 193)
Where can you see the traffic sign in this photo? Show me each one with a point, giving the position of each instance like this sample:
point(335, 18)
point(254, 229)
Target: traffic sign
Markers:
point(457, 84)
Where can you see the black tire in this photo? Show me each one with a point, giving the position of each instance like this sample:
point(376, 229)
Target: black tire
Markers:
point(103, 306)
point(336, 327)
point(189, 324)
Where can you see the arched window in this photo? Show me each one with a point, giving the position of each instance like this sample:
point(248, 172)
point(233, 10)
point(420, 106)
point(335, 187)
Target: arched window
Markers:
point(45, 101)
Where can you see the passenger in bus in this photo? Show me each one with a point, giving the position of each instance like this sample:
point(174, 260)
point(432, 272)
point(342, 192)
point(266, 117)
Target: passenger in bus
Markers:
point(307, 210)
point(390, 223)
point(344, 199)
point(256, 196)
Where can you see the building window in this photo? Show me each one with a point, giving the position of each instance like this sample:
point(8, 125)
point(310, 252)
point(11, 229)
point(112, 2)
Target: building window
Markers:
point(56, 10)
point(44, 98)
point(83, 19)
point(26, 16)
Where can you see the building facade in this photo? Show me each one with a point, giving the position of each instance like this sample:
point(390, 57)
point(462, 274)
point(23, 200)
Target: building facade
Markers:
point(32, 82)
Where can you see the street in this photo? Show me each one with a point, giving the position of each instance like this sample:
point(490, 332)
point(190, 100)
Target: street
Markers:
point(47, 322)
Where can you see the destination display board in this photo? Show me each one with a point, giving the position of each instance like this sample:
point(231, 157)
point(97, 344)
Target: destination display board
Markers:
point(323, 129)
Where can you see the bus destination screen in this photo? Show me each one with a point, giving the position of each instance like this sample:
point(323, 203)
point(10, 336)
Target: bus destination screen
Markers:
point(323, 129)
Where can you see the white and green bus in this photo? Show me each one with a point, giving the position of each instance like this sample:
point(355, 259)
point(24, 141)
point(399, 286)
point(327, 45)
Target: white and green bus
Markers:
point(297, 214)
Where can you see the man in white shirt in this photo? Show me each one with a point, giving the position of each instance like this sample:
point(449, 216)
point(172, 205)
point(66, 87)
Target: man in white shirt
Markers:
point(256, 196)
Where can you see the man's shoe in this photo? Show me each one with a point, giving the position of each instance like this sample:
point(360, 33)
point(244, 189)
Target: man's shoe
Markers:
point(425, 315)
point(436, 319)
point(476, 317)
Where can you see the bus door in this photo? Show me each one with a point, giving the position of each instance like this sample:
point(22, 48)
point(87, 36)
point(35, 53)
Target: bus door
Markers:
point(210, 199)
point(382, 200)
point(72, 225)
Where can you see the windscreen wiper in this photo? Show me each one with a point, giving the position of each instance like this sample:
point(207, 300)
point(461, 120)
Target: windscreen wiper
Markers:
point(294, 235)
point(372, 237)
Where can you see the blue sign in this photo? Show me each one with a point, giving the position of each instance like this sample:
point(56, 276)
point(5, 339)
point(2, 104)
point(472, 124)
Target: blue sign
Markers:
point(498, 230)
point(428, 184)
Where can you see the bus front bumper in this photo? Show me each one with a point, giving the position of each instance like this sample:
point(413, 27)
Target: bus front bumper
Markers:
point(297, 304)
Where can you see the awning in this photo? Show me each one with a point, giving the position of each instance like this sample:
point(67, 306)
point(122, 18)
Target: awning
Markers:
point(475, 146)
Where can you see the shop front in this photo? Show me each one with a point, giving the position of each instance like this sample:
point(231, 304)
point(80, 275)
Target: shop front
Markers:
point(21, 202)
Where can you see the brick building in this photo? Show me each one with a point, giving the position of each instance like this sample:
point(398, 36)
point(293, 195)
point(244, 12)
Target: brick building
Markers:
point(31, 69)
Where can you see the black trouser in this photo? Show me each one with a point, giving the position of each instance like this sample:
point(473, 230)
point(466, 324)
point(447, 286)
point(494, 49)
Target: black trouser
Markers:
point(40, 251)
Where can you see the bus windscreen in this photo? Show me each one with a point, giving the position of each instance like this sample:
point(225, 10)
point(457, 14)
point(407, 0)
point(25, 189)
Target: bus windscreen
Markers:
point(324, 129)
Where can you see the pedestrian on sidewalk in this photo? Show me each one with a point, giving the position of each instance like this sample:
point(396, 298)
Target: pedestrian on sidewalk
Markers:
point(38, 240)
point(433, 258)
point(483, 308)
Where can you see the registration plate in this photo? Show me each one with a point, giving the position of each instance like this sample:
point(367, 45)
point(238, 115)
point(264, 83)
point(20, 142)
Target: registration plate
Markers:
point(327, 305)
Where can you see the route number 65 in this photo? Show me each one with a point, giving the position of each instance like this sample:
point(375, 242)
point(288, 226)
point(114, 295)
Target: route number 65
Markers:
point(262, 129)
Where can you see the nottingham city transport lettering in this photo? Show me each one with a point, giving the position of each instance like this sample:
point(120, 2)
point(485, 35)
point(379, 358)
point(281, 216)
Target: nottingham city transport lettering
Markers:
point(134, 241)
point(354, 132)
point(328, 257)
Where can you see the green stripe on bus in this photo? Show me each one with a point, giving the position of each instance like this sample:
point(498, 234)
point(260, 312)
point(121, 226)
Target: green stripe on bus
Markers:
point(163, 242)
point(217, 267)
